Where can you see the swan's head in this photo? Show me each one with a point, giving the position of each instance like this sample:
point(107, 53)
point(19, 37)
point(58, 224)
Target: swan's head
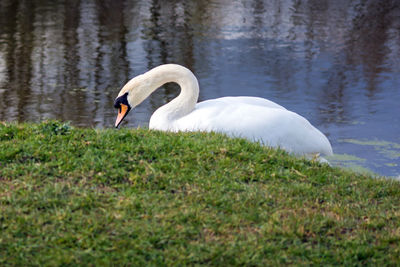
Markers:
point(123, 106)
point(132, 94)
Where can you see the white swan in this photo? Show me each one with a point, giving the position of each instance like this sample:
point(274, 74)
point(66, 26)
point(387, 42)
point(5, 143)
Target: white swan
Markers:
point(254, 118)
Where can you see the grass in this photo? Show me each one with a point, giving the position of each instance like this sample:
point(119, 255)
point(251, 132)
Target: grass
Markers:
point(71, 196)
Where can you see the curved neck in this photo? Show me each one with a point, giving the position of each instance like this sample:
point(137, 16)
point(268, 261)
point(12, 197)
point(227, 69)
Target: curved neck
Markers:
point(185, 102)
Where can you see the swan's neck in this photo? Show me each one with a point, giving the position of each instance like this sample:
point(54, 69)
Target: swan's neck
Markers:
point(142, 86)
point(185, 102)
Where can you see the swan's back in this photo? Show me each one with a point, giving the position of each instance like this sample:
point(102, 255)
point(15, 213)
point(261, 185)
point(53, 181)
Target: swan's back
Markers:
point(256, 119)
point(232, 100)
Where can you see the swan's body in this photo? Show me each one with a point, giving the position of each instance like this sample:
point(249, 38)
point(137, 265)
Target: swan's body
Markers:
point(254, 118)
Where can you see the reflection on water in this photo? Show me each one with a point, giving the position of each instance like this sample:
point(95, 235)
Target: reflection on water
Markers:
point(335, 62)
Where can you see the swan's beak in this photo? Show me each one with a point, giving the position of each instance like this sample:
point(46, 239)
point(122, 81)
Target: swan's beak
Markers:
point(122, 112)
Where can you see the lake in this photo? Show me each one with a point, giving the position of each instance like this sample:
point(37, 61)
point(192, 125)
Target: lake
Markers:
point(335, 62)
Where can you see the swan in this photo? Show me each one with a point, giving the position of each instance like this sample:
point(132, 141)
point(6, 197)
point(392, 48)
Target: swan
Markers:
point(254, 118)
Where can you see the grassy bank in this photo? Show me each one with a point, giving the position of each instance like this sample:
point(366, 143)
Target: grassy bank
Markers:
point(136, 197)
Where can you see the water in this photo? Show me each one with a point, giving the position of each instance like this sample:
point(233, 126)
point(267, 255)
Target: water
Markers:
point(336, 62)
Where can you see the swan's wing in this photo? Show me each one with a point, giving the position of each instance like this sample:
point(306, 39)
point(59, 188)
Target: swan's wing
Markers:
point(276, 127)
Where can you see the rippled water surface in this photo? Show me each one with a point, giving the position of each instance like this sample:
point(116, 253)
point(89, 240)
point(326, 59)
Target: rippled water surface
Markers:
point(337, 63)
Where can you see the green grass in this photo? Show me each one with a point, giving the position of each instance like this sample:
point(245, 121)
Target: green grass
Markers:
point(71, 196)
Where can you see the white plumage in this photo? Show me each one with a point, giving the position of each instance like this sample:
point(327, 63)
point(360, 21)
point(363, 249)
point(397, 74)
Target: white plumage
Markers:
point(254, 118)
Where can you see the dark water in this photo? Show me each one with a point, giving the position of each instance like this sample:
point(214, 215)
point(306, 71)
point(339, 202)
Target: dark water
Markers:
point(335, 62)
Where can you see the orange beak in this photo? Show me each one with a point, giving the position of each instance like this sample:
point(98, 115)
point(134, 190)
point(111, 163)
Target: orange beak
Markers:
point(122, 112)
